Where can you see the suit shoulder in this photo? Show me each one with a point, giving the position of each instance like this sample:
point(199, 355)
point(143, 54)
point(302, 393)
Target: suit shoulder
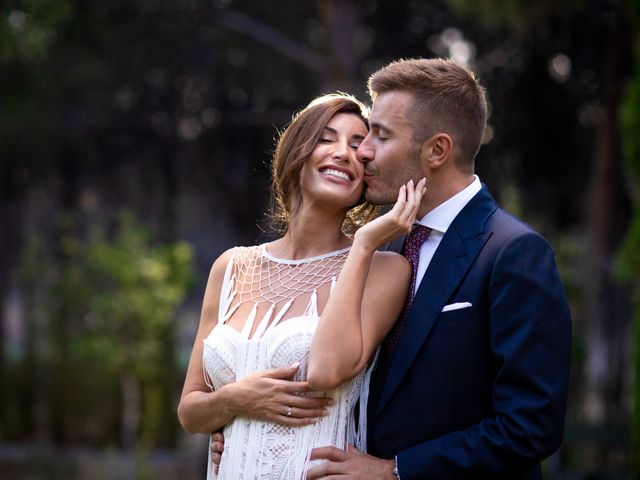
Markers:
point(509, 232)
point(506, 225)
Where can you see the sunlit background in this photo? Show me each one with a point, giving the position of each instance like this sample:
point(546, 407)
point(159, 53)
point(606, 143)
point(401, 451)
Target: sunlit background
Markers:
point(135, 140)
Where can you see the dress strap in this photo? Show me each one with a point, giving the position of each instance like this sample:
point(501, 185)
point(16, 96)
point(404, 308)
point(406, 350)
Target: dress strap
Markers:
point(227, 293)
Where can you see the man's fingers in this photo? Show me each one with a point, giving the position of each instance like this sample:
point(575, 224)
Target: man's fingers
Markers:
point(334, 466)
point(351, 450)
point(324, 471)
point(328, 453)
point(217, 447)
point(217, 437)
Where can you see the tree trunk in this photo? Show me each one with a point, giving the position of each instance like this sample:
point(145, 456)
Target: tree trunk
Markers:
point(130, 410)
point(606, 328)
point(342, 21)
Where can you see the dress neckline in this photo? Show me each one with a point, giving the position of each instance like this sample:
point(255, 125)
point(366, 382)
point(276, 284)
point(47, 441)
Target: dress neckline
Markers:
point(287, 261)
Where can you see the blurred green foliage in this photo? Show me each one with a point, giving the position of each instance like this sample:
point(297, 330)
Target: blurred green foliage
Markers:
point(111, 304)
point(628, 265)
point(134, 291)
point(28, 34)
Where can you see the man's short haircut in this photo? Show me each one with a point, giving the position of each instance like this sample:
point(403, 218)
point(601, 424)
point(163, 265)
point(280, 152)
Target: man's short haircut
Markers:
point(448, 99)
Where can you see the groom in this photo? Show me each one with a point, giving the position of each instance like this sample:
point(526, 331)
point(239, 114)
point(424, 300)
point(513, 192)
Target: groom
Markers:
point(472, 381)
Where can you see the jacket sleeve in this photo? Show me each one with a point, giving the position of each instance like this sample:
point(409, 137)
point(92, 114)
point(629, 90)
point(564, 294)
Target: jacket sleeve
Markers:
point(530, 336)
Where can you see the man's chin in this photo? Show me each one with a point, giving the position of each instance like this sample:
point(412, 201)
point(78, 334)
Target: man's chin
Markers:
point(377, 198)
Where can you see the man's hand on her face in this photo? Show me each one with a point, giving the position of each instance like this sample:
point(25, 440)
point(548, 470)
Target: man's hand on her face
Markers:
point(351, 464)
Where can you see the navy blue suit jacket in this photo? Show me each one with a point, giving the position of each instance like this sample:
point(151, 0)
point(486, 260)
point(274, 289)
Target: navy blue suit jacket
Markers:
point(478, 392)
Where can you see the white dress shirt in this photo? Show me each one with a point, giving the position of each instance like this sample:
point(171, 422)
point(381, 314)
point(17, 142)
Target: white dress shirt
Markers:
point(438, 220)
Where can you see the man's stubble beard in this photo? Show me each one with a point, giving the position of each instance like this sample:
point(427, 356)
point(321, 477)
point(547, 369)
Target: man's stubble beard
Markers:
point(394, 179)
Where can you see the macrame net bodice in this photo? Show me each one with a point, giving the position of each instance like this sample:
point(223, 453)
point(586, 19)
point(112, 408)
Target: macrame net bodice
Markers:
point(267, 316)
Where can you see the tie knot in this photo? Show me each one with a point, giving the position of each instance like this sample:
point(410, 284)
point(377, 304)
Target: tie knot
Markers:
point(415, 239)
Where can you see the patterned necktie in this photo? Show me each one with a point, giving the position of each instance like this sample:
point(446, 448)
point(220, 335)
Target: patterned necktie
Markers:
point(412, 246)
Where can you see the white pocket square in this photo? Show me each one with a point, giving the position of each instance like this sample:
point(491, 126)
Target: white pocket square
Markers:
point(456, 306)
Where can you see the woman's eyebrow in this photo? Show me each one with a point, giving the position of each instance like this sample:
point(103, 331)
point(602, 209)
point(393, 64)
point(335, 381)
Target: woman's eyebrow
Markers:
point(357, 136)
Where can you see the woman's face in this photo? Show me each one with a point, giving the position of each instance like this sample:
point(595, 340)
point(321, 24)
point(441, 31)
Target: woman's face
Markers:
point(333, 175)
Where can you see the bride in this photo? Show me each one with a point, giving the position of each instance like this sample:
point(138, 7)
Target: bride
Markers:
point(311, 306)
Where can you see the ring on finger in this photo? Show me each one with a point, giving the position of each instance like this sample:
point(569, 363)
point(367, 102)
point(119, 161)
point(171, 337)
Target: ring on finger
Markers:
point(288, 411)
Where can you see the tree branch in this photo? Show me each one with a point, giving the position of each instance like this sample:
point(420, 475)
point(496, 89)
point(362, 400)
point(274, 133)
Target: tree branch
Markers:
point(270, 36)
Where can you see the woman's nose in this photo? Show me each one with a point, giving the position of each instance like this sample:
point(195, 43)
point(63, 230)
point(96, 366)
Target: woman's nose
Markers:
point(343, 151)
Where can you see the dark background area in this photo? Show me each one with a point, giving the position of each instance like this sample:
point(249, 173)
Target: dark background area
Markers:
point(135, 141)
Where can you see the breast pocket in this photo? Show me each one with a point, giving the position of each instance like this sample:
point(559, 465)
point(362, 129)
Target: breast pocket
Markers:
point(456, 314)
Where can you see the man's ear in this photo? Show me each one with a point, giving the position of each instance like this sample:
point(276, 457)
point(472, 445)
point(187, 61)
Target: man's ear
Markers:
point(436, 150)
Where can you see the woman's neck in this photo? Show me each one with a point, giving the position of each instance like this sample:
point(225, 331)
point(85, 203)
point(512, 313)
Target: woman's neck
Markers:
point(312, 232)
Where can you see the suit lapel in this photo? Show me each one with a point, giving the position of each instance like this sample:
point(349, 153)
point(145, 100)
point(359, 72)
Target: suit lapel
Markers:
point(456, 253)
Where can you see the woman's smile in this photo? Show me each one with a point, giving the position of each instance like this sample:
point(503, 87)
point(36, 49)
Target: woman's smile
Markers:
point(334, 173)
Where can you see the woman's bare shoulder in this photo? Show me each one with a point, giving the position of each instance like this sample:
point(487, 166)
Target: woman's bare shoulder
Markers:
point(389, 268)
point(220, 264)
point(390, 262)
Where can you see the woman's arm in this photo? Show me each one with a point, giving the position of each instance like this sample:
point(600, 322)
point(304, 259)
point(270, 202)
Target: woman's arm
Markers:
point(265, 395)
point(367, 299)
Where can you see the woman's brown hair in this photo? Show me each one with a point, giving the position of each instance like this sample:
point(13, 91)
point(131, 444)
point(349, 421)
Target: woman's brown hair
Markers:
point(293, 149)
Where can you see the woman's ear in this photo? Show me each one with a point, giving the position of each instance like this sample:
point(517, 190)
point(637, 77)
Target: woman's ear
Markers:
point(437, 150)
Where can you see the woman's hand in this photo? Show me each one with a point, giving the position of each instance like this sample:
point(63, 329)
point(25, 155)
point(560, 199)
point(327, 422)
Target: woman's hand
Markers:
point(398, 221)
point(271, 396)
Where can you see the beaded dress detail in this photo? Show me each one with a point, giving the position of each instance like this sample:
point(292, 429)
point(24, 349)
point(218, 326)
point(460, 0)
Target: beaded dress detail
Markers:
point(278, 300)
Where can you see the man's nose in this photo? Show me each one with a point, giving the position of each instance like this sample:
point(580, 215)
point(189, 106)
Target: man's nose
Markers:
point(365, 151)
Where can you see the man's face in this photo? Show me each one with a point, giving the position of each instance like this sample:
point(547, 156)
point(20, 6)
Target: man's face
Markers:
point(388, 152)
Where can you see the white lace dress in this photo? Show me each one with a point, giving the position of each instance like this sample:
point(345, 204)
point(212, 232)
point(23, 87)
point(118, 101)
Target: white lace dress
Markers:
point(279, 299)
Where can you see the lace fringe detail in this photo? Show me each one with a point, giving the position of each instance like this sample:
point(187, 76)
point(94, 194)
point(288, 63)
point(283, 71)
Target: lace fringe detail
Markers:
point(358, 433)
point(254, 276)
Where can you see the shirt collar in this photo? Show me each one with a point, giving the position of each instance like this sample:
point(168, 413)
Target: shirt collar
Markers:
point(443, 215)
